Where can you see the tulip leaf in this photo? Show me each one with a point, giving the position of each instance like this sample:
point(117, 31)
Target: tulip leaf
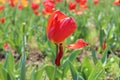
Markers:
point(9, 66)
point(9, 63)
point(97, 72)
point(37, 74)
point(85, 68)
point(1, 74)
point(104, 57)
point(22, 67)
point(73, 55)
point(94, 56)
point(75, 75)
point(49, 70)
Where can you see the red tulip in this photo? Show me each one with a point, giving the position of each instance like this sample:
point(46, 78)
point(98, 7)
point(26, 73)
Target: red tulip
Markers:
point(34, 6)
point(60, 27)
point(116, 2)
point(72, 5)
point(78, 44)
point(48, 6)
point(77, 1)
point(2, 20)
point(6, 46)
point(83, 2)
point(12, 3)
point(96, 2)
point(20, 6)
point(2, 7)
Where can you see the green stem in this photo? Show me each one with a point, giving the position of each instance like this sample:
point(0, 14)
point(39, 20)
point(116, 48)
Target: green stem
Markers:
point(63, 73)
point(55, 70)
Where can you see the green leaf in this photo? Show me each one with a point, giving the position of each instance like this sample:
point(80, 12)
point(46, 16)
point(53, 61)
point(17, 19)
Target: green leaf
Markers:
point(1, 74)
point(50, 71)
point(73, 55)
point(74, 73)
point(104, 57)
point(86, 67)
point(97, 72)
point(22, 67)
point(37, 74)
point(94, 56)
point(9, 66)
point(9, 62)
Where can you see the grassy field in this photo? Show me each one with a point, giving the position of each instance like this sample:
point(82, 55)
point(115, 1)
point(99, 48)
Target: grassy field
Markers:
point(59, 40)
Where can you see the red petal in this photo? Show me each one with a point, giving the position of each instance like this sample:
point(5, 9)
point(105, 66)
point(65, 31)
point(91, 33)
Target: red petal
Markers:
point(34, 6)
point(66, 27)
point(52, 17)
point(78, 44)
point(72, 5)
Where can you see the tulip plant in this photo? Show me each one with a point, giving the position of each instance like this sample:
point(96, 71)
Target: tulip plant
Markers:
point(59, 40)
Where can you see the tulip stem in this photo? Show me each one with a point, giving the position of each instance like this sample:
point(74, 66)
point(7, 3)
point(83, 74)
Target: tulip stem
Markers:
point(63, 74)
point(54, 75)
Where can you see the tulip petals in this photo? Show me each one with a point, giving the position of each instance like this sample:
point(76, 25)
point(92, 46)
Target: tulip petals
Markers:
point(52, 18)
point(66, 28)
point(78, 44)
point(60, 27)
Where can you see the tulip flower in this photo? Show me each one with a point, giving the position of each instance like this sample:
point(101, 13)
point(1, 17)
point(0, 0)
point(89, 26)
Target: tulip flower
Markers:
point(6, 46)
point(2, 20)
point(116, 2)
point(83, 2)
point(96, 2)
point(72, 5)
point(48, 6)
point(77, 1)
point(2, 7)
point(60, 27)
point(12, 3)
point(20, 6)
point(34, 6)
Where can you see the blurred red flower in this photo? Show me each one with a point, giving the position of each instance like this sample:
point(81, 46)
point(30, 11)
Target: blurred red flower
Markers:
point(2, 7)
point(96, 2)
point(77, 1)
point(2, 20)
point(48, 6)
point(12, 3)
point(20, 6)
point(34, 5)
point(72, 5)
point(6, 46)
point(83, 2)
point(116, 2)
